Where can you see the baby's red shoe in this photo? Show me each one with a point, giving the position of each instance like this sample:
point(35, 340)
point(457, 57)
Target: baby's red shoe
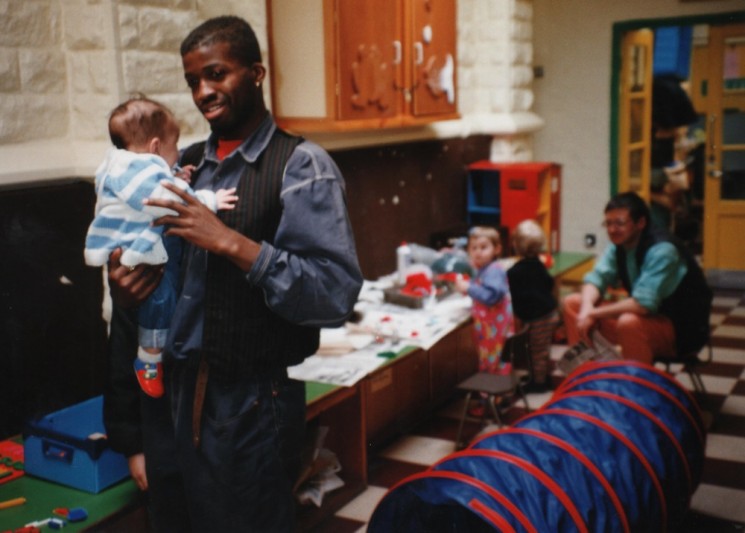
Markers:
point(150, 377)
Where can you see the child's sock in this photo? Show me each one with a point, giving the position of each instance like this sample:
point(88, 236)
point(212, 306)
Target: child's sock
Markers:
point(149, 372)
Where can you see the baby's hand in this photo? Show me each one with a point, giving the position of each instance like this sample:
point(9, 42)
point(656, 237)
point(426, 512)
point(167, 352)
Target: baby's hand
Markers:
point(185, 172)
point(226, 198)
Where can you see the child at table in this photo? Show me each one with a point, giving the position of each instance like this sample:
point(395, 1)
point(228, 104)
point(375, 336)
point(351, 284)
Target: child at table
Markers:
point(145, 136)
point(533, 300)
point(490, 292)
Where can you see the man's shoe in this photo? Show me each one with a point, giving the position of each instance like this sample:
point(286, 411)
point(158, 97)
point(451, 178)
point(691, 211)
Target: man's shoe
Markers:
point(606, 351)
point(150, 377)
point(575, 356)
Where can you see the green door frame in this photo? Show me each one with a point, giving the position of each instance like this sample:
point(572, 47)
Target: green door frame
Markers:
point(619, 29)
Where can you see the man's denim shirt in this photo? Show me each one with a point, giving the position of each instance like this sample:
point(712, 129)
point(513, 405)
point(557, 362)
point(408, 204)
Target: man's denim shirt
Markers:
point(310, 274)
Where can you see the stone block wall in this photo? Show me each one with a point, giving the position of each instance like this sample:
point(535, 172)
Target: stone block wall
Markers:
point(33, 67)
point(66, 63)
point(495, 56)
point(495, 60)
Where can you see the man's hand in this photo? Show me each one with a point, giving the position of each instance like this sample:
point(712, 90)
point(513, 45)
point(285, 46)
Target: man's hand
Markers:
point(130, 287)
point(201, 227)
point(585, 323)
point(137, 470)
point(586, 318)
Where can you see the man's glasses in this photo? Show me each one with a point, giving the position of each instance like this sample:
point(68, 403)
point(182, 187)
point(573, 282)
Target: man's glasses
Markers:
point(615, 223)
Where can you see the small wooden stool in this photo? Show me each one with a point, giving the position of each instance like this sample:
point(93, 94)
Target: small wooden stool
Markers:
point(516, 348)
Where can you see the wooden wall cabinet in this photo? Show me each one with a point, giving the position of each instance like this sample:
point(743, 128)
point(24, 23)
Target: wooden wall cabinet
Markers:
point(341, 412)
point(338, 65)
point(396, 396)
point(451, 361)
point(380, 403)
point(403, 392)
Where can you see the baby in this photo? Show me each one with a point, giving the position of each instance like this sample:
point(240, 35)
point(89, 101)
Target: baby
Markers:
point(145, 135)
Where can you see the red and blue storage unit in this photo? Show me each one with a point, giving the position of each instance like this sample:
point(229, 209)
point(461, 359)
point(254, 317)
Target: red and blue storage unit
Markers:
point(505, 194)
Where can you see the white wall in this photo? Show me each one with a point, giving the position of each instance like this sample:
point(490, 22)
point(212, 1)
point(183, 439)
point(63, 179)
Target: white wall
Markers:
point(572, 41)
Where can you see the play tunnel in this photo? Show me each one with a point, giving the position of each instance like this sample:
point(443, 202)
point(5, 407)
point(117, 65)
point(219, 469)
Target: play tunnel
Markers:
point(618, 448)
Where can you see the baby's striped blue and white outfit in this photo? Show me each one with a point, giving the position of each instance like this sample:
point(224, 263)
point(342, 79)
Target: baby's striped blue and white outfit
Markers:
point(123, 181)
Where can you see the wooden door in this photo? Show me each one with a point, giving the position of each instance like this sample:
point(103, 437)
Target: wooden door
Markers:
point(635, 114)
point(369, 58)
point(432, 66)
point(724, 195)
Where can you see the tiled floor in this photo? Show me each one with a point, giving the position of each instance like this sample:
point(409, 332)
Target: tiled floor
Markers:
point(718, 505)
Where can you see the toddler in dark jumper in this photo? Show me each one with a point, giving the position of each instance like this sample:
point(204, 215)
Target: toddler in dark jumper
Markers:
point(533, 301)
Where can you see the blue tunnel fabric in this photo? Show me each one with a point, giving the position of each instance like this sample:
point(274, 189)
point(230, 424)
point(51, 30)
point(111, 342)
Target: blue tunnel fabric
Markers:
point(656, 444)
point(618, 448)
point(650, 374)
point(454, 503)
point(583, 482)
point(659, 399)
point(621, 464)
point(539, 496)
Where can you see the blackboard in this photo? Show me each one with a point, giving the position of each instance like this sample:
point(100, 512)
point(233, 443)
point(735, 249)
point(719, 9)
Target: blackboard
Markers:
point(52, 334)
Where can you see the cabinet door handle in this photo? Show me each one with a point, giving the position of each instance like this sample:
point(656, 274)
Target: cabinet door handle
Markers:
point(418, 53)
point(396, 52)
point(710, 134)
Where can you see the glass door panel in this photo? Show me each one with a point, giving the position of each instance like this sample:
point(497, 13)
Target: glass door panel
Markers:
point(724, 197)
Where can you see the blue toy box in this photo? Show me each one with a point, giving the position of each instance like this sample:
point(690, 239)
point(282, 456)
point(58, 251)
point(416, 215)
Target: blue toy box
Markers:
point(69, 446)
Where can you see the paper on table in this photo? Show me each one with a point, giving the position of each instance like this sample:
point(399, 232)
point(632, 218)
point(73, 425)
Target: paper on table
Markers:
point(348, 354)
point(345, 370)
point(420, 327)
point(339, 341)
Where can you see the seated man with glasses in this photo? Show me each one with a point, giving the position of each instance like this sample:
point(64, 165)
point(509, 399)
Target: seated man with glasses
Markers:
point(666, 313)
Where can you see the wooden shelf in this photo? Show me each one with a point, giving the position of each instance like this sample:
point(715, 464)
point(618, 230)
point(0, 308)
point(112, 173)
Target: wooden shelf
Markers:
point(515, 192)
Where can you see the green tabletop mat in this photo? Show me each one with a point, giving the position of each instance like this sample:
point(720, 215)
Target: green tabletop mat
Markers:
point(42, 497)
